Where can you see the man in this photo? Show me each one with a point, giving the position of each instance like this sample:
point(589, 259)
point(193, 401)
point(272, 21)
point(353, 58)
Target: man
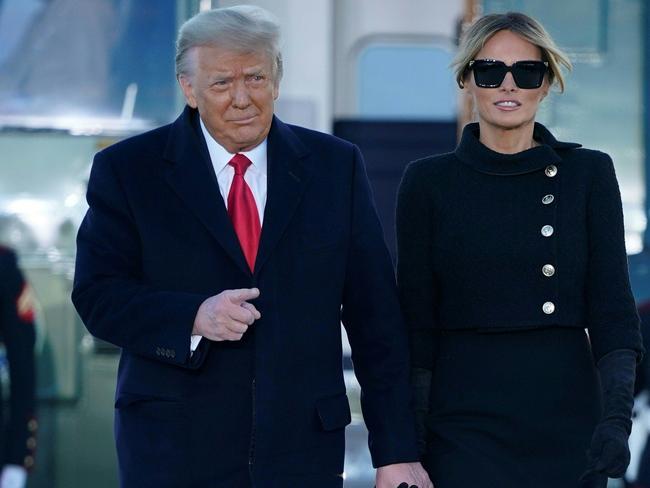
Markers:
point(221, 253)
point(18, 432)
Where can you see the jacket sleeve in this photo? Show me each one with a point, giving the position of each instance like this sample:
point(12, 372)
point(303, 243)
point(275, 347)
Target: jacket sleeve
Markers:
point(17, 325)
point(612, 318)
point(415, 270)
point(374, 325)
point(109, 293)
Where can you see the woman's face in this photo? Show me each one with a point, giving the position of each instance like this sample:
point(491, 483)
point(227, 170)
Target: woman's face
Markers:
point(507, 107)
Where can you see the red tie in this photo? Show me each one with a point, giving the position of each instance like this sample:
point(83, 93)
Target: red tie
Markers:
point(243, 211)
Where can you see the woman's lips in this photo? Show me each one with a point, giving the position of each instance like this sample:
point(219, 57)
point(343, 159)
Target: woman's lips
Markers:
point(507, 105)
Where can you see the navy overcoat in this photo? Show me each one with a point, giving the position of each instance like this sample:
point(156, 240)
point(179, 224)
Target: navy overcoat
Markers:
point(269, 410)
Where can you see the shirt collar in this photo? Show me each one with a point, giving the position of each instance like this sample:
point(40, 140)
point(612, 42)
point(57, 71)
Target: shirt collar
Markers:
point(220, 157)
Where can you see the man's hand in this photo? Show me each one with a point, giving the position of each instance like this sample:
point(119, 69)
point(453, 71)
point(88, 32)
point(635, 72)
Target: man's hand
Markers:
point(13, 476)
point(226, 316)
point(392, 475)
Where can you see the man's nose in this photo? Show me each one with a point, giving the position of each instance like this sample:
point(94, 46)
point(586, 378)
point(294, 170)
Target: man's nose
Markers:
point(240, 96)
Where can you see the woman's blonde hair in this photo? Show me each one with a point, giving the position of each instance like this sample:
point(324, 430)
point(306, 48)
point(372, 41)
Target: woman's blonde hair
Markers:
point(521, 24)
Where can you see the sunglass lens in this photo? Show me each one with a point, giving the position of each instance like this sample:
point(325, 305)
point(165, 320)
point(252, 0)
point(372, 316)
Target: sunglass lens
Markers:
point(488, 74)
point(528, 74)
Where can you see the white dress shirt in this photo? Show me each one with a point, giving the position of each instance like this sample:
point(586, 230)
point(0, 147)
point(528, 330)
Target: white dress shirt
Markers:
point(255, 178)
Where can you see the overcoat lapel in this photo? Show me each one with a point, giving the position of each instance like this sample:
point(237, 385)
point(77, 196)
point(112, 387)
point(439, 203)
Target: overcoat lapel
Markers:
point(192, 178)
point(288, 175)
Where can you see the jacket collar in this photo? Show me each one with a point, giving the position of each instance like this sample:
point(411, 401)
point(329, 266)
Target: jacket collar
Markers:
point(481, 158)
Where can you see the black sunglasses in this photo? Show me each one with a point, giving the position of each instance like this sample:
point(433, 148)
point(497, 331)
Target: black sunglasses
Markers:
point(489, 73)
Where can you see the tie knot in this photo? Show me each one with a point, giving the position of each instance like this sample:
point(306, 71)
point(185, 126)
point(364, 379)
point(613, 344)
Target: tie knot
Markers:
point(240, 163)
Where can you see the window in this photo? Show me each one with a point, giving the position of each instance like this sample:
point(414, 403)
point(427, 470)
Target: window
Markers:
point(406, 81)
point(94, 66)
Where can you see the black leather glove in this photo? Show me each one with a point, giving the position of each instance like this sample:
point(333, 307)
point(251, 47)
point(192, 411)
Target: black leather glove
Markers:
point(592, 479)
point(421, 387)
point(405, 485)
point(609, 453)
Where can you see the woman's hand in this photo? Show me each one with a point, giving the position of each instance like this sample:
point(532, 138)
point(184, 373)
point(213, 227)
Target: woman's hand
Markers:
point(397, 475)
point(609, 453)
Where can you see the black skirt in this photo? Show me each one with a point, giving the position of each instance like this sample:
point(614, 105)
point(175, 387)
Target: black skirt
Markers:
point(512, 409)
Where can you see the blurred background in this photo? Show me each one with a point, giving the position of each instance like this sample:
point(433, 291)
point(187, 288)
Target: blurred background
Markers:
point(78, 75)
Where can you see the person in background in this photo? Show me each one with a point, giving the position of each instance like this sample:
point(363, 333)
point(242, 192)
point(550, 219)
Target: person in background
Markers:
point(221, 253)
point(18, 439)
point(508, 249)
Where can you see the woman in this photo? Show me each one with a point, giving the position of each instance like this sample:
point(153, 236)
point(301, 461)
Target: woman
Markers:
point(508, 249)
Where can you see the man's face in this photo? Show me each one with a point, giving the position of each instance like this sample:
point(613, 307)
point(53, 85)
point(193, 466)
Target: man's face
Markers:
point(234, 94)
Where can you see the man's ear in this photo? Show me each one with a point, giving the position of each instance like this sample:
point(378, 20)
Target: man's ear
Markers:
point(186, 85)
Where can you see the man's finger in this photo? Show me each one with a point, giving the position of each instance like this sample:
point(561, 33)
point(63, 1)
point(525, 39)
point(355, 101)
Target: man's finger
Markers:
point(236, 327)
point(243, 295)
point(241, 314)
point(251, 308)
point(231, 336)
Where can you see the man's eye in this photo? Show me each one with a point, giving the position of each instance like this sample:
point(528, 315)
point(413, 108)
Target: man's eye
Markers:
point(220, 83)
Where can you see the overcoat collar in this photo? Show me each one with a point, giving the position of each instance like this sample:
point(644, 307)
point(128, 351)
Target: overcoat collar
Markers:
point(192, 177)
point(481, 158)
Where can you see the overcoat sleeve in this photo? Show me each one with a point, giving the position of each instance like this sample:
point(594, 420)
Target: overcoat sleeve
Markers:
point(612, 319)
point(109, 293)
point(375, 328)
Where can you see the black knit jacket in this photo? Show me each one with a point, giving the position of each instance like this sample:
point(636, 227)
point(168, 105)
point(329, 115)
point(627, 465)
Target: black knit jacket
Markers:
point(498, 242)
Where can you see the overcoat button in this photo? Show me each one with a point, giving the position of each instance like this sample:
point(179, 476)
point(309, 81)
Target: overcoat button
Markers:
point(548, 270)
point(547, 230)
point(548, 199)
point(551, 170)
point(548, 308)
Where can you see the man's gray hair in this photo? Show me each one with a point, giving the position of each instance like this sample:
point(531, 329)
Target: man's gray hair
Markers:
point(243, 28)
